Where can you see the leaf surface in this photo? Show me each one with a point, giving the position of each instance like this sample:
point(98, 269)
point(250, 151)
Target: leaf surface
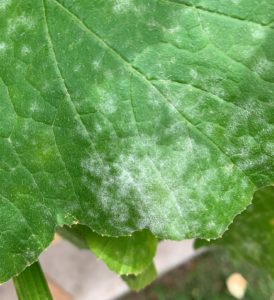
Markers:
point(131, 114)
point(251, 236)
point(140, 281)
point(126, 254)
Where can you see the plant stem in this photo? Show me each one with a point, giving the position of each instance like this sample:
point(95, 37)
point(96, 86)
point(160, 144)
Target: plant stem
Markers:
point(31, 284)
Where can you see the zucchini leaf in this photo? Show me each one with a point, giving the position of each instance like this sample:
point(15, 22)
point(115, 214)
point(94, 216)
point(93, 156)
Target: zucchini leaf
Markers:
point(131, 115)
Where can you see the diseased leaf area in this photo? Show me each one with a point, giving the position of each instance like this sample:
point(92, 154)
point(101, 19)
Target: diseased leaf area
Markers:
point(250, 237)
point(131, 114)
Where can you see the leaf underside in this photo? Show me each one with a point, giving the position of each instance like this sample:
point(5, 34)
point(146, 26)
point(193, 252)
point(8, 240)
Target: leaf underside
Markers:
point(130, 114)
point(125, 255)
point(138, 282)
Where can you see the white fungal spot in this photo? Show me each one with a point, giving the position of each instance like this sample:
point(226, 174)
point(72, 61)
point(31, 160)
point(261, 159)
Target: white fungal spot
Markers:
point(258, 33)
point(229, 168)
point(25, 50)
point(174, 29)
point(33, 107)
point(107, 101)
point(193, 74)
point(96, 64)
point(3, 47)
point(236, 2)
point(4, 4)
point(20, 21)
point(262, 66)
point(123, 6)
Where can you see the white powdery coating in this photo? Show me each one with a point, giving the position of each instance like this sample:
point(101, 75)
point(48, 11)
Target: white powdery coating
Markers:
point(258, 33)
point(235, 2)
point(263, 66)
point(161, 186)
point(194, 74)
point(123, 6)
point(25, 50)
point(123, 178)
point(174, 29)
point(23, 20)
point(4, 4)
point(3, 47)
point(107, 101)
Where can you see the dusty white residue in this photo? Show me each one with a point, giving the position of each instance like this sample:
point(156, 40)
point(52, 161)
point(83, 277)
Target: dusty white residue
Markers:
point(96, 64)
point(258, 33)
point(4, 4)
point(123, 6)
point(235, 1)
point(20, 21)
point(25, 50)
point(33, 107)
point(164, 186)
point(262, 66)
point(153, 98)
point(174, 29)
point(3, 47)
point(107, 101)
point(82, 131)
point(98, 128)
point(193, 73)
point(229, 168)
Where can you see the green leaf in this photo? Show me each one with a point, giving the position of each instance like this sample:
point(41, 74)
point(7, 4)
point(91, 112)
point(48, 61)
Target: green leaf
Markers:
point(73, 235)
point(138, 282)
point(126, 254)
point(251, 236)
point(123, 255)
point(31, 284)
point(131, 115)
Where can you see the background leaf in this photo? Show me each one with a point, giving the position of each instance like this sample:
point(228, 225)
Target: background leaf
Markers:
point(124, 255)
point(140, 281)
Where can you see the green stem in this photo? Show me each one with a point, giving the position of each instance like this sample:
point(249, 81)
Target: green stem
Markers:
point(31, 284)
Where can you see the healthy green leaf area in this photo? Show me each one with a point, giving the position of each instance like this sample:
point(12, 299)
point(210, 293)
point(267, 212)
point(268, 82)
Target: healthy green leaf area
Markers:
point(250, 237)
point(138, 282)
point(131, 114)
